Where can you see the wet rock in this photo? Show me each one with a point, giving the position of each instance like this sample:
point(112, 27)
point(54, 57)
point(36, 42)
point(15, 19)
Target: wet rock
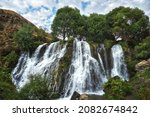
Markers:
point(75, 96)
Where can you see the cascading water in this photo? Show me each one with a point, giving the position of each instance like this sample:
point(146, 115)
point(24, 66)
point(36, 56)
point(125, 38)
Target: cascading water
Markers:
point(101, 65)
point(119, 66)
point(43, 62)
point(85, 75)
point(103, 59)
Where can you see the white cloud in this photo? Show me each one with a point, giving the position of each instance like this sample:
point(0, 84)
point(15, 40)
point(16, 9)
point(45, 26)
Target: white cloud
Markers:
point(41, 12)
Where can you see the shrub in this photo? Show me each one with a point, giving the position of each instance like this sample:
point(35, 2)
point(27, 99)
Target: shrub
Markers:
point(5, 75)
point(7, 91)
point(142, 49)
point(10, 59)
point(141, 85)
point(7, 88)
point(37, 89)
point(23, 37)
point(115, 88)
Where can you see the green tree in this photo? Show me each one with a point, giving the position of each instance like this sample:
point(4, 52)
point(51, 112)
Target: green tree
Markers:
point(66, 22)
point(24, 38)
point(98, 29)
point(131, 24)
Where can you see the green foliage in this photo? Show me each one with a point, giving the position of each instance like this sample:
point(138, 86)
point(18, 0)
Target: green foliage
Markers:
point(131, 24)
point(143, 49)
point(116, 89)
point(141, 85)
point(37, 89)
point(108, 43)
point(24, 38)
point(4, 75)
point(144, 74)
point(131, 65)
point(7, 89)
point(10, 59)
point(98, 28)
point(66, 22)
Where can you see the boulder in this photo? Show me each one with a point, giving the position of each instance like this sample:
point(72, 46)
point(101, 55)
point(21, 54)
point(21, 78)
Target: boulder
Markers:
point(141, 66)
point(90, 97)
point(75, 96)
point(83, 97)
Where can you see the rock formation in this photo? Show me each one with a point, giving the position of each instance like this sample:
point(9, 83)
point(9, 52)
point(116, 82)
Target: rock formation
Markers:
point(141, 66)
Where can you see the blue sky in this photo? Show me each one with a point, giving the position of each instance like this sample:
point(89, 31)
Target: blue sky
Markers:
point(42, 12)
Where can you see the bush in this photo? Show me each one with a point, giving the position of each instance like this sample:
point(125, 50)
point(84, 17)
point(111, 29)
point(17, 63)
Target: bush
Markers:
point(7, 88)
point(10, 59)
point(143, 49)
point(141, 85)
point(115, 88)
point(5, 75)
point(23, 37)
point(145, 74)
point(37, 89)
point(7, 91)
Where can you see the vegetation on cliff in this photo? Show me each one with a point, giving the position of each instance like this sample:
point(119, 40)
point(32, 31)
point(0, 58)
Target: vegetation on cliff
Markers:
point(129, 25)
point(126, 26)
point(12, 24)
point(37, 89)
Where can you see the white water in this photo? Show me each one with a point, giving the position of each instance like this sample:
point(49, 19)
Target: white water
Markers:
point(84, 74)
point(102, 55)
point(41, 63)
point(101, 65)
point(119, 66)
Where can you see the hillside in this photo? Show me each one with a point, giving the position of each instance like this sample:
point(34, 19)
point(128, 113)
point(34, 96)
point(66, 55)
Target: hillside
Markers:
point(10, 22)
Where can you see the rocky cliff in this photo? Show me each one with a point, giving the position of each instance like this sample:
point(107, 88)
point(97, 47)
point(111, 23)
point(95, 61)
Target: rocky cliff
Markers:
point(10, 22)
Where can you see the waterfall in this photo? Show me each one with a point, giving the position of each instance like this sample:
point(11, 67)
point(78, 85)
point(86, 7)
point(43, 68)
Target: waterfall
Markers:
point(103, 59)
point(119, 66)
point(101, 65)
point(85, 75)
point(44, 62)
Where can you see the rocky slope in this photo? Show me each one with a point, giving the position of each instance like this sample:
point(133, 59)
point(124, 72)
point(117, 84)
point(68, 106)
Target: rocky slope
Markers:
point(10, 22)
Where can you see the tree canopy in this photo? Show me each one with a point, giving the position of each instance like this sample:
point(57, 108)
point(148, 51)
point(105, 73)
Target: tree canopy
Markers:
point(98, 28)
point(130, 24)
point(66, 22)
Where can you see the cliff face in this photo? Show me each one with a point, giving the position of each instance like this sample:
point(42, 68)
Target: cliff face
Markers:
point(10, 22)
